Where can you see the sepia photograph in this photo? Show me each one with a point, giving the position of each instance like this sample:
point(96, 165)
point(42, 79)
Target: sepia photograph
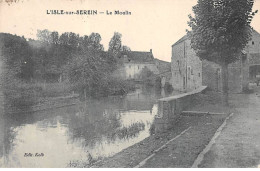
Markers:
point(129, 84)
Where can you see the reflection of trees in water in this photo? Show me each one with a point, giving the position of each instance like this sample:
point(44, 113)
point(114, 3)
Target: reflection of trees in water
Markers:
point(93, 123)
point(8, 134)
point(10, 123)
point(18, 99)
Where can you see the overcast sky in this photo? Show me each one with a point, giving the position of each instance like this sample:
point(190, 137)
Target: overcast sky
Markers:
point(153, 24)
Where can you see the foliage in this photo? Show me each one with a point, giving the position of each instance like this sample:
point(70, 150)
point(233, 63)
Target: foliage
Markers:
point(149, 78)
point(16, 57)
point(88, 69)
point(115, 43)
point(55, 65)
point(125, 48)
point(220, 29)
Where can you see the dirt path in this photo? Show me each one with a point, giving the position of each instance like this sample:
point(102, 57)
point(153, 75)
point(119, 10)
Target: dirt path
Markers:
point(239, 143)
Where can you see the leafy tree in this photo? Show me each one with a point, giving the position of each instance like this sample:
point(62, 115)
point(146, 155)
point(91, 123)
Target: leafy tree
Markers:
point(44, 35)
point(220, 31)
point(64, 38)
point(115, 44)
point(54, 37)
point(94, 40)
point(16, 56)
point(88, 69)
point(125, 48)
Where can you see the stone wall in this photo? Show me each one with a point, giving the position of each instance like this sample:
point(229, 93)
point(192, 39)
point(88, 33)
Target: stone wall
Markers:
point(237, 76)
point(211, 75)
point(186, 67)
point(253, 45)
point(194, 68)
point(170, 108)
point(178, 67)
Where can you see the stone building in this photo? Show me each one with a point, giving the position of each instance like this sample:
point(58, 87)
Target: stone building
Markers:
point(164, 68)
point(189, 72)
point(186, 67)
point(133, 62)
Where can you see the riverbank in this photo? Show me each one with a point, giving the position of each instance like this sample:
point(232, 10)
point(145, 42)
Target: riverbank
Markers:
point(26, 97)
point(179, 146)
point(179, 153)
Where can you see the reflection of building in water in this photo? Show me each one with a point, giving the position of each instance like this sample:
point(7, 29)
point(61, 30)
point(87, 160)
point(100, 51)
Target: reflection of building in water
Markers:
point(139, 101)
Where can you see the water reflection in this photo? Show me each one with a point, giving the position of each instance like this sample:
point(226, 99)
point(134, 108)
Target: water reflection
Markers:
point(79, 135)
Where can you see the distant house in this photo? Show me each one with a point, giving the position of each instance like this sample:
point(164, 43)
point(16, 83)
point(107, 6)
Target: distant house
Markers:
point(133, 62)
point(189, 72)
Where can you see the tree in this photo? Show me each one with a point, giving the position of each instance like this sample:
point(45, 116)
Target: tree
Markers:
point(94, 40)
point(54, 37)
point(115, 44)
point(220, 30)
point(87, 70)
point(125, 48)
point(44, 36)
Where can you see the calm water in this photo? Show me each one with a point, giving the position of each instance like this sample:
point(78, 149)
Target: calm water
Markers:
point(79, 135)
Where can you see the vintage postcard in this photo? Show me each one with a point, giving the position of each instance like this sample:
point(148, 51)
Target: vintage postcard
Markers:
point(129, 83)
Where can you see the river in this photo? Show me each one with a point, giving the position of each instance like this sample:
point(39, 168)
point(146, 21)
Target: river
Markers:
point(78, 135)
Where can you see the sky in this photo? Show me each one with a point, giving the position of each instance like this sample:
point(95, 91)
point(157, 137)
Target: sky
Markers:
point(153, 24)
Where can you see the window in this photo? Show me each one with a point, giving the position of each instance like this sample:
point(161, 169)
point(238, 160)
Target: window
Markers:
point(199, 74)
point(253, 42)
point(191, 71)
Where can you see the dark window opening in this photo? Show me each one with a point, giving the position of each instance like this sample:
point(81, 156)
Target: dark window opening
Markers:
point(253, 42)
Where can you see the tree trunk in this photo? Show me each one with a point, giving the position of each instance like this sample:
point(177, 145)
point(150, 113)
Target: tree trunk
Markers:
point(224, 74)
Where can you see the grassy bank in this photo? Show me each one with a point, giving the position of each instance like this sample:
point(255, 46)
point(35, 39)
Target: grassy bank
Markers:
point(28, 96)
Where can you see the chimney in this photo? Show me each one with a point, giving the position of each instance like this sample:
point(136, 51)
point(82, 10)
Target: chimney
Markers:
point(151, 50)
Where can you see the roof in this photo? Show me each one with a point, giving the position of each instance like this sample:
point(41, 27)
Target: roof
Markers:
point(136, 56)
point(254, 31)
point(181, 40)
point(163, 66)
